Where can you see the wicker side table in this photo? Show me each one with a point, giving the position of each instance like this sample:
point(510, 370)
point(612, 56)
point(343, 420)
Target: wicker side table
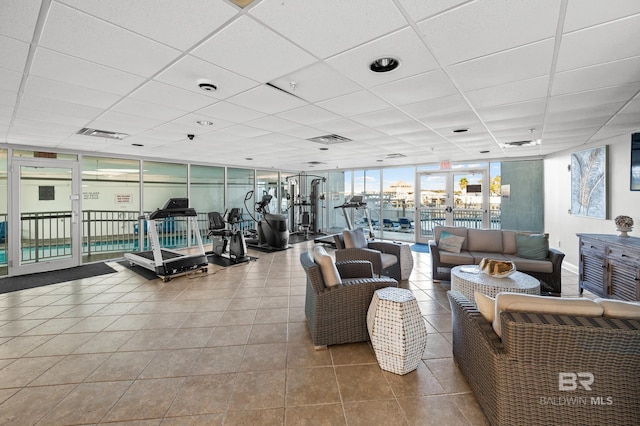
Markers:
point(466, 281)
point(397, 331)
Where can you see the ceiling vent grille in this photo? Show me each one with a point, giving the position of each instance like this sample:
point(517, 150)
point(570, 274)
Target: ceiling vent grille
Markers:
point(329, 139)
point(521, 143)
point(396, 155)
point(102, 134)
point(315, 163)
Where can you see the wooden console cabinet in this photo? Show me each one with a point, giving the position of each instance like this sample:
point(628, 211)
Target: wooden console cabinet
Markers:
point(610, 266)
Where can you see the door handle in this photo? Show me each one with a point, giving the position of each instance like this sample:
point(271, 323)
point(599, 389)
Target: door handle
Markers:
point(74, 217)
point(449, 209)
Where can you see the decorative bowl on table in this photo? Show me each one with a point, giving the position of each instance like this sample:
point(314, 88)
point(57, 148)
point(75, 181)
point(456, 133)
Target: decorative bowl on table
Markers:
point(497, 268)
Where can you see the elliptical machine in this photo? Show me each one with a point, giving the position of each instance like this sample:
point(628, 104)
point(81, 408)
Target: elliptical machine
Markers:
point(272, 230)
point(231, 238)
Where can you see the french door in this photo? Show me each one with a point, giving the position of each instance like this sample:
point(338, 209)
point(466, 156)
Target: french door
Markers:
point(451, 198)
point(44, 216)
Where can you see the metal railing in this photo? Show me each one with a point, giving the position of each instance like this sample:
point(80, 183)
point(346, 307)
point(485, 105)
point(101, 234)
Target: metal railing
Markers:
point(469, 218)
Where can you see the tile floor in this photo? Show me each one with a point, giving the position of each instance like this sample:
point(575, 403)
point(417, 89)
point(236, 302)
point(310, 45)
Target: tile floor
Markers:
point(229, 347)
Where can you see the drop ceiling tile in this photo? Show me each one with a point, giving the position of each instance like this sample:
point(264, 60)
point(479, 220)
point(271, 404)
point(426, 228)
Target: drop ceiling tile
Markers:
point(44, 125)
point(171, 23)
point(38, 86)
point(18, 18)
point(77, 34)
point(533, 60)
point(123, 123)
point(387, 116)
point(575, 124)
point(602, 43)
point(460, 120)
point(632, 107)
point(316, 83)
point(308, 115)
point(521, 109)
point(333, 25)
point(430, 85)
point(231, 112)
point(585, 13)
point(8, 97)
point(187, 73)
point(142, 108)
point(438, 106)
point(420, 9)
point(10, 80)
point(597, 76)
point(245, 132)
point(267, 100)
point(14, 53)
point(303, 132)
point(171, 96)
point(587, 112)
point(404, 45)
point(409, 126)
point(480, 28)
point(272, 124)
point(58, 107)
point(503, 94)
point(522, 124)
point(419, 136)
point(246, 47)
point(339, 125)
point(356, 103)
point(593, 97)
point(188, 124)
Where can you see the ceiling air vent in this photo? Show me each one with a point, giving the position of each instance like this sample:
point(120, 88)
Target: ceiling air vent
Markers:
point(396, 155)
point(102, 134)
point(521, 143)
point(314, 163)
point(329, 139)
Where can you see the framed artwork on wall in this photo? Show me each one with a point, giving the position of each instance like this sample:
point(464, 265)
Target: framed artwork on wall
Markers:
point(589, 183)
point(635, 162)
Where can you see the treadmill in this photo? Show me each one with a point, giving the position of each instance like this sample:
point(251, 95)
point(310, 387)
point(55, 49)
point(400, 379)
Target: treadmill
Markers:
point(356, 202)
point(164, 262)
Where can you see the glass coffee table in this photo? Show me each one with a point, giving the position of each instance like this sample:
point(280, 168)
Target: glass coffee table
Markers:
point(468, 279)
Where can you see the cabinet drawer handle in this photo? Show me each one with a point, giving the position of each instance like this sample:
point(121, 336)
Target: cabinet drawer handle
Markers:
point(623, 255)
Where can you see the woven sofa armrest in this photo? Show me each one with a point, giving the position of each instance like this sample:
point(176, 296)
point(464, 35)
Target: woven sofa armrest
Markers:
point(580, 341)
point(355, 269)
point(386, 247)
point(370, 255)
point(469, 322)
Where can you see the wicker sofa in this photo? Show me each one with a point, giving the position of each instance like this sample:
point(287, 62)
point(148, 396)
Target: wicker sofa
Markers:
point(516, 379)
point(338, 314)
point(495, 244)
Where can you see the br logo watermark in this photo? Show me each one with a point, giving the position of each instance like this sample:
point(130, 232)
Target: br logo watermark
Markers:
point(570, 381)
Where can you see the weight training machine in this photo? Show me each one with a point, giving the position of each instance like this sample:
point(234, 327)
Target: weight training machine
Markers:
point(164, 262)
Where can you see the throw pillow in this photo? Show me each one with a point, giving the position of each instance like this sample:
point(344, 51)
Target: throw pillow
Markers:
point(519, 302)
point(619, 309)
point(450, 242)
point(486, 305)
point(534, 246)
point(330, 273)
point(354, 239)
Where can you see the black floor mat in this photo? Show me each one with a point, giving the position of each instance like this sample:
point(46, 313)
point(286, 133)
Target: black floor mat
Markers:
point(23, 282)
point(143, 272)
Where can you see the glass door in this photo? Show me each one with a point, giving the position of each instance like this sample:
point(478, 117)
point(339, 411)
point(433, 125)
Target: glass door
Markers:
point(454, 198)
point(45, 216)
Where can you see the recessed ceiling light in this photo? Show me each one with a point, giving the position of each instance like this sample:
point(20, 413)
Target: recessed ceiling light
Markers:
point(486, 151)
point(207, 85)
point(205, 122)
point(460, 130)
point(136, 144)
point(324, 149)
point(385, 64)
point(379, 161)
point(249, 158)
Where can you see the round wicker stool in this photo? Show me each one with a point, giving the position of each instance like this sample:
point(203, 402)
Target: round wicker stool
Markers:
point(396, 328)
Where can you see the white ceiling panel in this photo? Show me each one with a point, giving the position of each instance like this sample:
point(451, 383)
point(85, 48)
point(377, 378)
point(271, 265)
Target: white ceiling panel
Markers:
point(246, 47)
point(171, 96)
point(405, 46)
point(430, 85)
point(484, 27)
point(189, 71)
point(533, 60)
point(61, 67)
point(180, 27)
point(478, 64)
point(267, 100)
point(18, 18)
point(80, 35)
point(316, 83)
point(332, 26)
point(38, 86)
point(14, 54)
point(308, 115)
point(593, 45)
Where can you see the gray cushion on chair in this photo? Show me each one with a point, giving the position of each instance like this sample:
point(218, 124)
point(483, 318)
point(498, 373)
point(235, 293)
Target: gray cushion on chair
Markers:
point(388, 260)
point(354, 239)
point(330, 273)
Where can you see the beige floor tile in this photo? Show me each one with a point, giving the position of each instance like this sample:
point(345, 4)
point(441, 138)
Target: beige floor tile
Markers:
point(20, 409)
point(148, 340)
point(432, 410)
point(218, 360)
point(353, 353)
point(258, 390)
point(145, 399)
point(171, 363)
point(71, 369)
point(330, 414)
point(19, 346)
point(205, 394)
point(268, 333)
point(303, 354)
point(61, 344)
point(362, 383)
point(201, 420)
point(266, 356)
point(23, 371)
point(274, 417)
point(122, 366)
point(203, 319)
point(229, 336)
point(366, 413)
point(105, 341)
point(306, 386)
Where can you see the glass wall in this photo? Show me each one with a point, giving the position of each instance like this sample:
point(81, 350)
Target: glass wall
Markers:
point(495, 195)
point(3, 211)
point(239, 183)
point(110, 205)
point(206, 193)
point(338, 189)
point(398, 204)
point(367, 183)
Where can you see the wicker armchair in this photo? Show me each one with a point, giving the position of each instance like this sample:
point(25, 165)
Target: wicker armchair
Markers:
point(383, 255)
point(516, 380)
point(339, 314)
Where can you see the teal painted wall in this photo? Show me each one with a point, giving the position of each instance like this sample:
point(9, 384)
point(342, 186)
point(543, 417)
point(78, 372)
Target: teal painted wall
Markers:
point(524, 209)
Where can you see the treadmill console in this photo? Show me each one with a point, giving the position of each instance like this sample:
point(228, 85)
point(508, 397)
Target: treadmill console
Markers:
point(172, 208)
